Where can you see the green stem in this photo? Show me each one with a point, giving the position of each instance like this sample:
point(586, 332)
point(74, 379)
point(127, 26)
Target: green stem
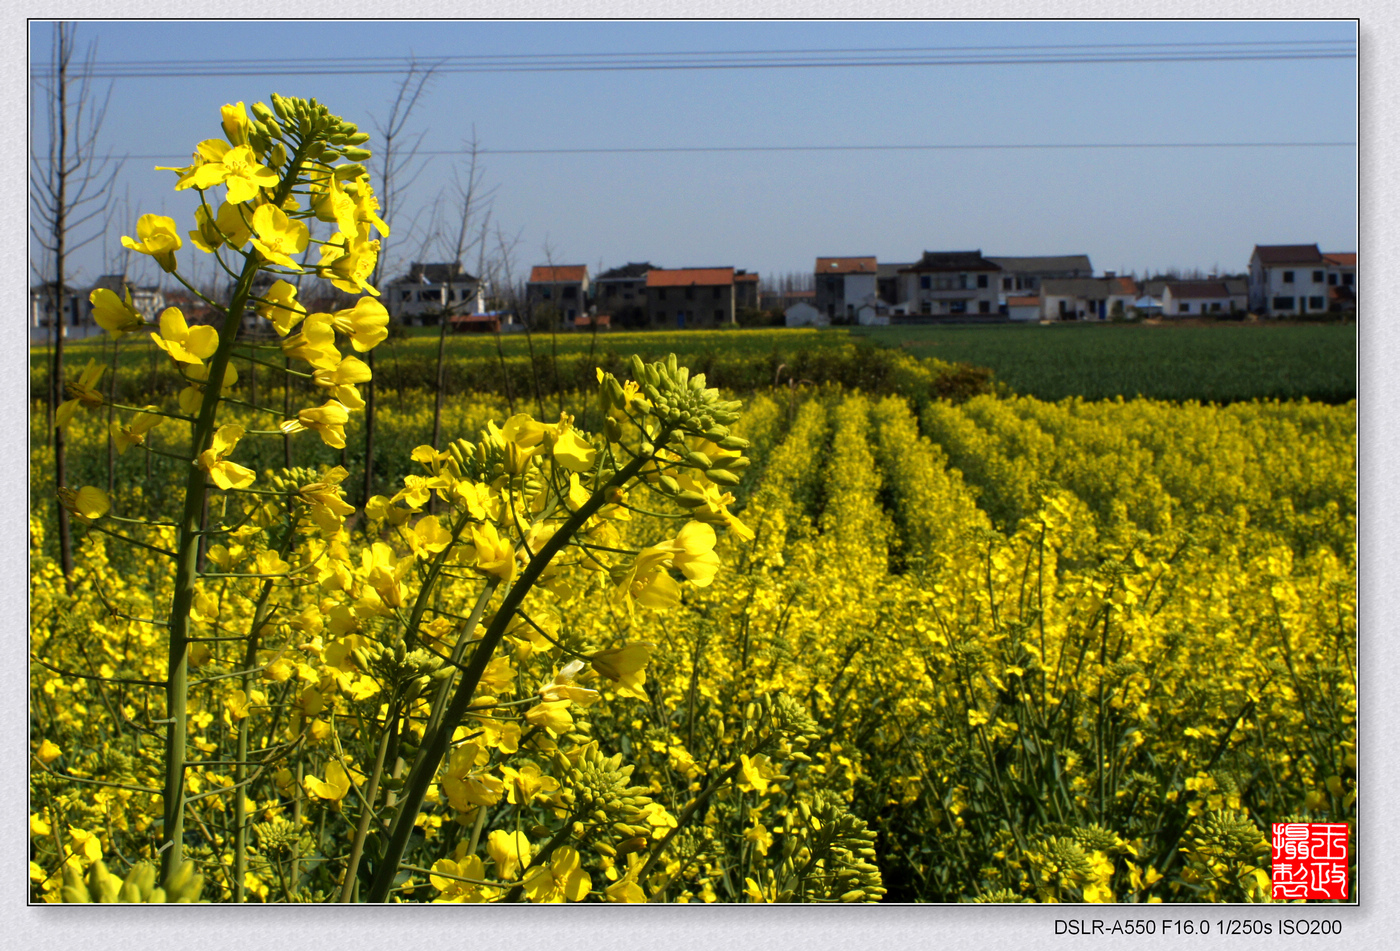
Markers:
point(352, 868)
point(250, 658)
point(434, 745)
point(191, 523)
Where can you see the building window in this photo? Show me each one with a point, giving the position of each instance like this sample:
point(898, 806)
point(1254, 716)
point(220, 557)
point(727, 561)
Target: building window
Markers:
point(1183, 308)
point(1288, 277)
point(547, 292)
point(981, 280)
point(1006, 283)
point(1347, 279)
point(926, 307)
point(1317, 277)
point(957, 307)
point(1283, 303)
point(984, 307)
point(716, 293)
point(661, 293)
point(1315, 303)
point(690, 293)
point(570, 293)
point(1215, 307)
point(611, 291)
point(1332, 279)
point(719, 316)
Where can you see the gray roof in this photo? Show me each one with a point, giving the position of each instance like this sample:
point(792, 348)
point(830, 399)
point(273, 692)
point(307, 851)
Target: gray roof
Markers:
point(1051, 265)
point(952, 261)
point(445, 273)
point(628, 272)
point(890, 270)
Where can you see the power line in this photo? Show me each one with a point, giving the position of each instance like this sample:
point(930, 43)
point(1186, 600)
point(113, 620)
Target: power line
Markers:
point(951, 147)
point(1064, 54)
point(891, 50)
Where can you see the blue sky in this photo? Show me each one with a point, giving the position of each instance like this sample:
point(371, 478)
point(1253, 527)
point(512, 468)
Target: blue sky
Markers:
point(776, 211)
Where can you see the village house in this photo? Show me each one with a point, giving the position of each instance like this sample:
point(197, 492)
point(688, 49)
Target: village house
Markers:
point(1023, 308)
point(1287, 280)
point(1087, 298)
point(1341, 280)
point(428, 291)
point(621, 294)
point(803, 314)
point(746, 292)
point(770, 299)
point(691, 297)
point(1198, 298)
point(41, 310)
point(563, 288)
point(949, 284)
point(846, 289)
point(887, 283)
point(1022, 276)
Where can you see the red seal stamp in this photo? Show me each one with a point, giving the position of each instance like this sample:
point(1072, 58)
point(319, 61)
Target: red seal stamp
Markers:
point(1309, 860)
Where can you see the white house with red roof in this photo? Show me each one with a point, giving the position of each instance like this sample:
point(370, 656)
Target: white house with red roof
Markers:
point(1287, 280)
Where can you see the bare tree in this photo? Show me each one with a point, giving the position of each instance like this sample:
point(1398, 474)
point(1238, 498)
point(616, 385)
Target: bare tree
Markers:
point(70, 191)
point(471, 202)
point(399, 168)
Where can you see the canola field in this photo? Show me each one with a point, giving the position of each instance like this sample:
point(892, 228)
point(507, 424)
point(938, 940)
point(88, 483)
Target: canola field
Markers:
point(1076, 651)
point(857, 627)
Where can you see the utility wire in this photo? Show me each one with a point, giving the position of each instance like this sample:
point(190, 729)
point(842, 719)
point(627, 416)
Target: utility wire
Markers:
point(893, 50)
point(629, 62)
point(956, 147)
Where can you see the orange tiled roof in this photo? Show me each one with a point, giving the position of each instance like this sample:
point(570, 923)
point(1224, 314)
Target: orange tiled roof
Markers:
point(543, 274)
point(1022, 301)
point(745, 278)
point(864, 265)
point(1340, 258)
point(682, 277)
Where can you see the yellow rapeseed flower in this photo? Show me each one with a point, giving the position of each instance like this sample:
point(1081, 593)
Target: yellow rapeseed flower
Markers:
point(184, 343)
point(157, 237)
point(511, 851)
point(561, 880)
point(280, 307)
point(366, 324)
point(328, 420)
point(84, 393)
point(233, 166)
point(226, 475)
point(134, 432)
point(278, 237)
point(112, 313)
point(87, 504)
